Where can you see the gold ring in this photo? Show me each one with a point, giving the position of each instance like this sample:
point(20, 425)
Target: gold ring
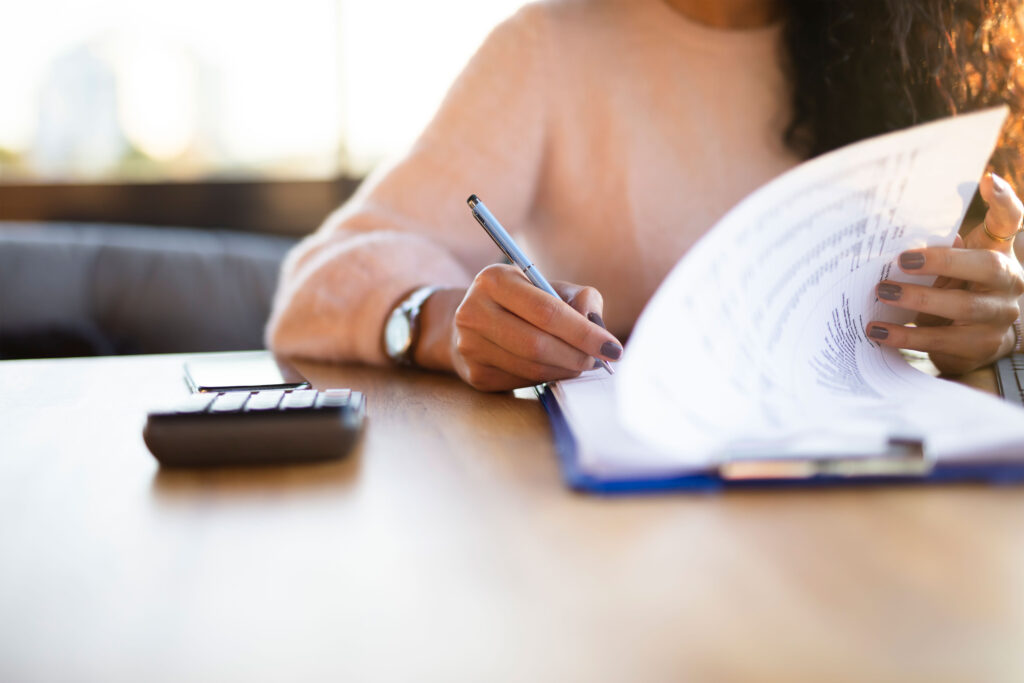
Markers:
point(997, 238)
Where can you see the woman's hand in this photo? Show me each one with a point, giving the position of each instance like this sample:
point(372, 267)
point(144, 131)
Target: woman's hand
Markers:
point(504, 333)
point(966, 318)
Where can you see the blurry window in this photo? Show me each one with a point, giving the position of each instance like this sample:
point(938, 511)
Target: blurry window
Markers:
point(191, 89)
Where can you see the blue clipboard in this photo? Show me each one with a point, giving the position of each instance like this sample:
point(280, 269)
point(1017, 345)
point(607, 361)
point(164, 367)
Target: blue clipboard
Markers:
point(577, 478)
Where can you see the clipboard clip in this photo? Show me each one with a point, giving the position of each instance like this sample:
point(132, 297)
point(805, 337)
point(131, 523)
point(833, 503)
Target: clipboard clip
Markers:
point(904, 458)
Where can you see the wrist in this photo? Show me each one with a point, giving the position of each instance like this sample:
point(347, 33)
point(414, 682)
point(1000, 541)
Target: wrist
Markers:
point(403, 324)
point(433, 349)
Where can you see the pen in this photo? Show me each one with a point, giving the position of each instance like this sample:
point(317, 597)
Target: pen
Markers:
point(505, 242)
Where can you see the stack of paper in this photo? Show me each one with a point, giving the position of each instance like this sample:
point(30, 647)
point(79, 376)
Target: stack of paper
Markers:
point(754, 346)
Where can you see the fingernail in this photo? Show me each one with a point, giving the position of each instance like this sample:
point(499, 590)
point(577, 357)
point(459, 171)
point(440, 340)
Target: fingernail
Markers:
point(876, 332)
point(597, 365)
point(999, 184)
point(911, 260)
point(611, 350)
point(889, 292)
point(596, 319)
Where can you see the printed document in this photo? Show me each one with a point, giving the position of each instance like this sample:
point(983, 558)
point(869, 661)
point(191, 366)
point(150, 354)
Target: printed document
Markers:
point(755, 345)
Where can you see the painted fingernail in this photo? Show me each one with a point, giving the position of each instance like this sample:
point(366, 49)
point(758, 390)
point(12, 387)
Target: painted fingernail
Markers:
point(876, 332)
point(597, 365)
point(596, 319)
point(611, 350)
point(889, 292)
point(911, 260)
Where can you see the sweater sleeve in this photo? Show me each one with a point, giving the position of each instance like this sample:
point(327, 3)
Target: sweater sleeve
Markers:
point(408, 225)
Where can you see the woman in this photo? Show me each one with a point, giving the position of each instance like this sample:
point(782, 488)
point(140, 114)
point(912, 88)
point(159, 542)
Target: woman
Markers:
point(609, 135)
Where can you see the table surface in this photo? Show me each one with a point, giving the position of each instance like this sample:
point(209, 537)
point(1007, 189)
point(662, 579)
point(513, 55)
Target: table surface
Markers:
point(447, 549)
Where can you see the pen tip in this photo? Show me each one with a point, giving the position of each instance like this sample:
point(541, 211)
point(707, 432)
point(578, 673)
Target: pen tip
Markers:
point(472, 201)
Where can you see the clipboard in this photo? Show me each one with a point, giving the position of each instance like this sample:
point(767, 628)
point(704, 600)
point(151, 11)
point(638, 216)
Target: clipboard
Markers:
point(903, 466)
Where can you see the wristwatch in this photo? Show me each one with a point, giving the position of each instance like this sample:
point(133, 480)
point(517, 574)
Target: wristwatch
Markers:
point(402, 328)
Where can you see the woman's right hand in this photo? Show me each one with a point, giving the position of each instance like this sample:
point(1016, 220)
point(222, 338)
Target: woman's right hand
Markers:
point(507, 333)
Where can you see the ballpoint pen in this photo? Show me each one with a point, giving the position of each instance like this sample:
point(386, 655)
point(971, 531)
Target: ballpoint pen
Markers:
point(507, 245)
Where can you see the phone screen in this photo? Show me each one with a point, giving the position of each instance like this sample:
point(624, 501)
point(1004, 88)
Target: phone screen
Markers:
point(243, 371)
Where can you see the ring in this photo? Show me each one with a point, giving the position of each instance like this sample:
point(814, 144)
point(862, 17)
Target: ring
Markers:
point(998, 238)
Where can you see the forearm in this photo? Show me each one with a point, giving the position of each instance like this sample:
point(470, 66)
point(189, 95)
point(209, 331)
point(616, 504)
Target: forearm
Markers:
point(334, 295)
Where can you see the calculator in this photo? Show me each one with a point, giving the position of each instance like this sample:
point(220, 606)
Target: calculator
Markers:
point(256, 427)
point(1010, 378)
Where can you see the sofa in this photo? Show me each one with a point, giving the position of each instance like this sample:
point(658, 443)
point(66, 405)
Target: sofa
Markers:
point(74, 289)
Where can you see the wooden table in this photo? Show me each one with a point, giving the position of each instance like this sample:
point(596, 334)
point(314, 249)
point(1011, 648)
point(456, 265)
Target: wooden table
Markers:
point(447, 549)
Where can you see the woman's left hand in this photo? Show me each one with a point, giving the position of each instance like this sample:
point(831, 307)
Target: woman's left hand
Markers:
point(965, 320)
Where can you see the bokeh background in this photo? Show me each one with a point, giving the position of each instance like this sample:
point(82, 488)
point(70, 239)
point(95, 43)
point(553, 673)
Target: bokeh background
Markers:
point(194, 89)
point(158, 157)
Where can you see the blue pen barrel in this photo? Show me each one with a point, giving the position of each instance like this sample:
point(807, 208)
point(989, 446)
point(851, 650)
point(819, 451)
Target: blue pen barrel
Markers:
point(497, 231)
point(537, 279)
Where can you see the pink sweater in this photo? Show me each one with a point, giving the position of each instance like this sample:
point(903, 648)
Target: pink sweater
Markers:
point(606, 135)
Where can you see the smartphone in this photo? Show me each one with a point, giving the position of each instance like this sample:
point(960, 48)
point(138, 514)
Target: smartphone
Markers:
point(248, 371)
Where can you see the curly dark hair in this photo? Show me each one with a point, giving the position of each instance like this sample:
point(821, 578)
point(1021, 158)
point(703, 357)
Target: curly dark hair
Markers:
point(863, 67)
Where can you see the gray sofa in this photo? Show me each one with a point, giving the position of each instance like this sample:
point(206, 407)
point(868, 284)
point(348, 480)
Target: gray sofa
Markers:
point(88, 289)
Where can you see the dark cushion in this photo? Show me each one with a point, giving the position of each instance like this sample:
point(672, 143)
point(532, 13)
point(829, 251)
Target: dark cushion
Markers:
point(135, 288)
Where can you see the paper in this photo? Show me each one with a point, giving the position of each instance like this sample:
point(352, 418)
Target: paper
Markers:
point(755, 343)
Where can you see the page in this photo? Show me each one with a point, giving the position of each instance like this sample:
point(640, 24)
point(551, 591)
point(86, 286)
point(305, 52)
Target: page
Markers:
point(604, 447)
point(755, 342)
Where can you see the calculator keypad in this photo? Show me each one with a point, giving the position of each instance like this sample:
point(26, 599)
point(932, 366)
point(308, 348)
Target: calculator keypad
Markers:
point(229, 402)
point(268, 401)
point(264, 400)
point(332, 398)
point(299, 399)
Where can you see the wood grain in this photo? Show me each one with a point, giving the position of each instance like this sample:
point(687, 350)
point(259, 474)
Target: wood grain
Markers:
point(447, 549)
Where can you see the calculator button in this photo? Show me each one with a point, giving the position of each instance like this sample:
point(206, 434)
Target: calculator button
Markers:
point(229, 402)
point(196, 403)
point(264, 400)
point(299, 399)
point(333, 398)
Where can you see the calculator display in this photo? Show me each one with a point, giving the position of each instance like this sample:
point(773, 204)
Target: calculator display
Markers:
point(260, 370)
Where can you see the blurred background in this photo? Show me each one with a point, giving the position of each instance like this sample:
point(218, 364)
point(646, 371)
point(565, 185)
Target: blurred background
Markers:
point(118, 117)
point(193, 92)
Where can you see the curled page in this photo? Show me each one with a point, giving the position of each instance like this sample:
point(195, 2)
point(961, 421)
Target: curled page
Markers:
point(755, 342)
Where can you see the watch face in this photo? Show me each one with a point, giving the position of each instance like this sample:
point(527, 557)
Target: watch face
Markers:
point(397, 334)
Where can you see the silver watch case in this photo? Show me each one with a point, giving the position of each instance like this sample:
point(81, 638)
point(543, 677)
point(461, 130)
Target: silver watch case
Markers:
point(401, 330)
